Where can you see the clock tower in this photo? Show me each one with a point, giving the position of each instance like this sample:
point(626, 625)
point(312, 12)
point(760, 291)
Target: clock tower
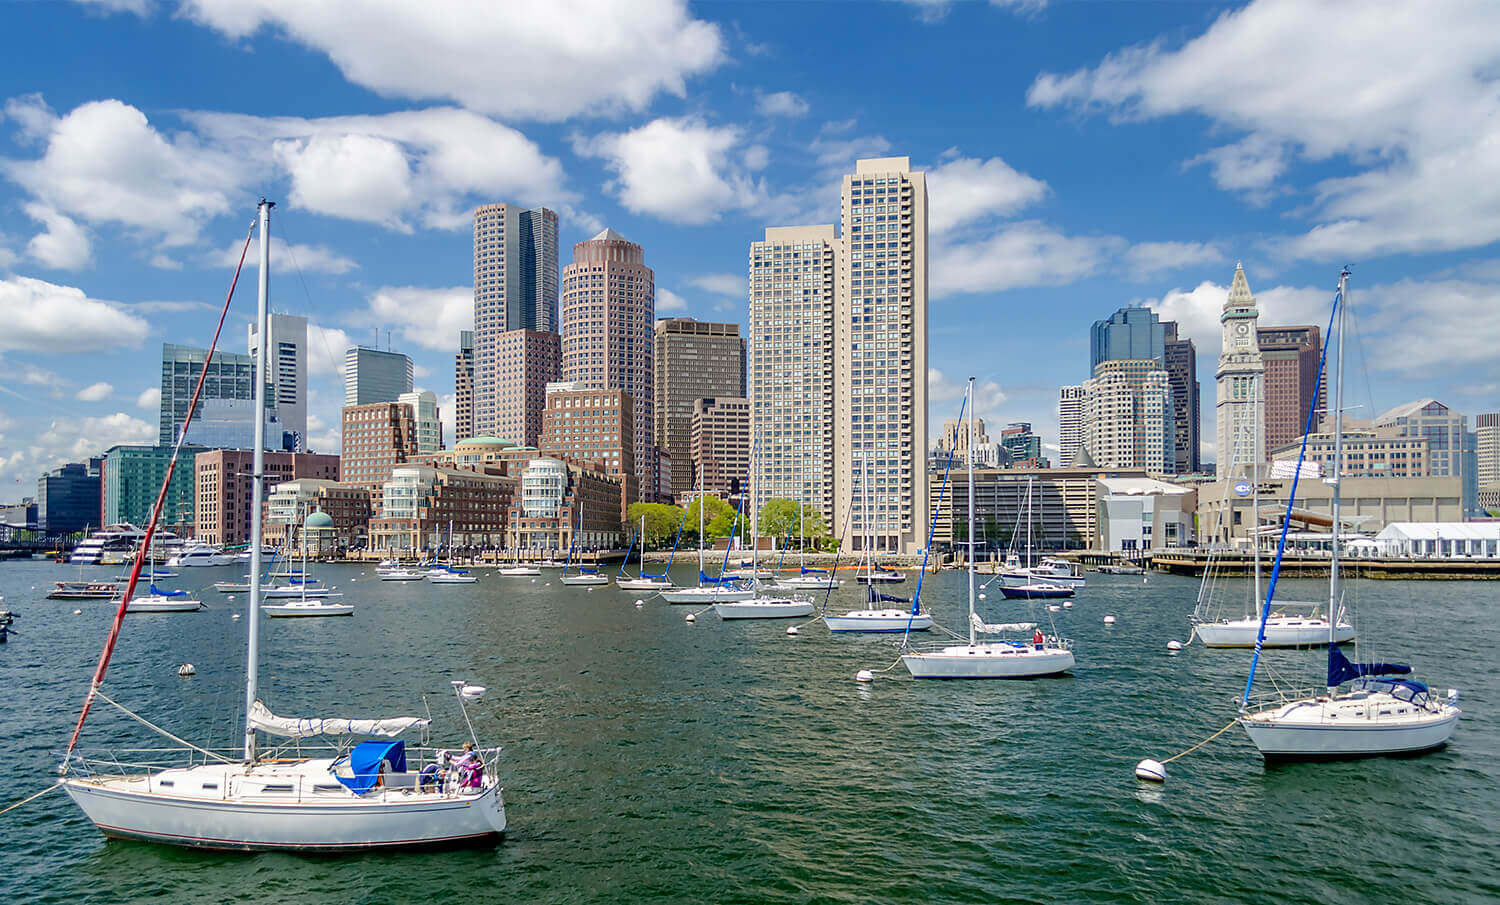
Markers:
point(1240, 406)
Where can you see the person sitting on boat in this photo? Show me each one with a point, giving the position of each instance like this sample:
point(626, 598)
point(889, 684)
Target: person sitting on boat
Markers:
point(1037, 638)
point(470, 768)
point(432, 774)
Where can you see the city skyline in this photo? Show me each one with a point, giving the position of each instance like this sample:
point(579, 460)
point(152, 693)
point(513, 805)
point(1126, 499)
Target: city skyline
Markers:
point(1026, 246)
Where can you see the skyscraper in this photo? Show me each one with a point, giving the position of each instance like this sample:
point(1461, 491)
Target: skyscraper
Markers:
point(286, 381)
point(1127, 413)
point(1182, 373)
point(694, 360)
point(607, 314)
point(463, 387)
point(226, 410)
point(1242, 441)
point(1451, 449)
point(526, 361)
point(791, 385)
point(1070, 433)
point(1487, 448)
point(373, 375)
point(377, 437)
point(880, 356)
point(515, 288)
point(425, 418)
point(1130, 333)
point(1291, 357)
point(719, 437)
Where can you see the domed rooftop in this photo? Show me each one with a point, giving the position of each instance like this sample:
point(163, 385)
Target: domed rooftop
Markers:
point(319, 520)
point(485, 441)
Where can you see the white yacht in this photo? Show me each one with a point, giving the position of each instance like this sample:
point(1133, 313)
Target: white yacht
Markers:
point(110, 545)
point(764, 608)
point(196, 553)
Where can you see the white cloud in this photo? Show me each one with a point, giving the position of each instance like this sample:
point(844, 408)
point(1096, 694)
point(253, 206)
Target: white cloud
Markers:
point(430, 166)
point(963, 189)
point(70, 440)
point(287, 257)
point(448, 415)
point(538, 60)
point(1414, 111)
point(936, 10)
point(163, 261)
point(139, 7)
point(1197, 310)
point(45, 318)
point(1018, 255)
point(104, 163)
point(837, 154)
point(325, 350)
point(730, 284)
point(1146, 258)
point(680, 170)
point(64, 245)
point(943, 394)
point(669, 302)
point(95, 392)
point(149, 399)
point(429, 318)
point(781, 103)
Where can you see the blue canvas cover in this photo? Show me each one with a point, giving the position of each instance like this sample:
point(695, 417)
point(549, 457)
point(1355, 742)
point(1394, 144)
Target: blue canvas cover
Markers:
point(811, 571)
point(158, 592)
point(1341, 669)
point(365, 760)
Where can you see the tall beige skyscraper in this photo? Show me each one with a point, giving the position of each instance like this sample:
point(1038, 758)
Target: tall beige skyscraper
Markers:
point(608, 339)
point(694, 360)
point(515, 289)
point(1069, 424)
point(1127, 416)
point(792, 276)
point(838, 329)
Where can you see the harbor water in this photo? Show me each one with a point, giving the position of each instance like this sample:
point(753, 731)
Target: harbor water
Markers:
point(649, 759)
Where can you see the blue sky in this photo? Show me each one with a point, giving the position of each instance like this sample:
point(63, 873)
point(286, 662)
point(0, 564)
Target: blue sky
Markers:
point(1081, 156)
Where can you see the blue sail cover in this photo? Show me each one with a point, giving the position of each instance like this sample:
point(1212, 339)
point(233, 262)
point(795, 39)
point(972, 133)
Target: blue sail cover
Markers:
point(876, 597)
point(365, 760)
point(704, 578)
point(807, 571)
point(158, 592)
point(1341, 669)
point(587, 571)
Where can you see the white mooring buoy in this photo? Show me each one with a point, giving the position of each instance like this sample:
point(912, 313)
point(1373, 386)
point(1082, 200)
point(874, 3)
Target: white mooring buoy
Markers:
point(1174, 646)
point(235, 616)
point(639, 604)
point(791, 630)
point(1067, 604)
point(1109, 620)
point(78, 612)
point(691, 618)
point(186, 670)
point(472, 692)
point(1151, 770)
point(864, 675)
point(984, 596)
point(1053, 608)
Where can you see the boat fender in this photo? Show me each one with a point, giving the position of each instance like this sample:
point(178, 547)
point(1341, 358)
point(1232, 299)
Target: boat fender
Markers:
point(1151, 770)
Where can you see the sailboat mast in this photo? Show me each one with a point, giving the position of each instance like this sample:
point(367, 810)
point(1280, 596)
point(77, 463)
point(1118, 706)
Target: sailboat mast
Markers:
point(969, 553)
point(1338, 462)
point(700, 522)
point(258, 472)
point(1260, 418)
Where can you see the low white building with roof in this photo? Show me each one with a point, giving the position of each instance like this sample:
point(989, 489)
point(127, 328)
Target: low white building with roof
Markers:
point(1139, 514)
point(1440, 540)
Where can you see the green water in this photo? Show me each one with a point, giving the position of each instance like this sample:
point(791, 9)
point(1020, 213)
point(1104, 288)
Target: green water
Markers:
point(652, 760)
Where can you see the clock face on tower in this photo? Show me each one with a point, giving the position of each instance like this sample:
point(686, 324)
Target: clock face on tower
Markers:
point(1242, 329)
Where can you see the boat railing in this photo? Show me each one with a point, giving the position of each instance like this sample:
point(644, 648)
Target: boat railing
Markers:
point(1271, 700)
point(1020, 642)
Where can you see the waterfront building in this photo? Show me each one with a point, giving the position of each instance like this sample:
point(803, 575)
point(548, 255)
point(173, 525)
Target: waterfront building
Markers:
point(1365, 454)
point(880, 357)
point(694, 360)
point(791, 279)
point(286, 379)
point(595, 428)
point(1128, 334)
point(419, 503)
point(224, 484)
point(426, 420)
point(515, 297)
point(1291, 356)
point(1137, 515)
point(525, 362)
point(376, 438)
point(1450, 445)
point(545, 514)
point(1366, 504)
point(1487, 461)
point(345, 507)
point(130, 478)
point(1070, 425)
point(226, 408)
point(1065, 513)
point(463, 387)
point(1022, 447)
point(1240, 386)
point(1439, 540)
point(67, 498)
point(488, 454)
point(955, 438)
point(1187, 414)
point(719, 438)
point(1127, 413)
point(607, 316)
point(374, 375)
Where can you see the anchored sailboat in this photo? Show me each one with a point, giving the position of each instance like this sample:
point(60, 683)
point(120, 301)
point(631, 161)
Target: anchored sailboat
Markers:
point(1376, 714)
point(377, 794)
point(585, 577)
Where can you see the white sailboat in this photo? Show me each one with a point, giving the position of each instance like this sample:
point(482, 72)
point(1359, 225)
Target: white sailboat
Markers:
point(447, 574)
point(370, 796)
point(806, 579)
point(160, 600)
point(645, 581)
point(1363, 710)
point(1042, 655)
point(762, 606)
point(1049, 571)
point(709, 590)
point(584, 577)
point(874, 617)
point(517, 569)
point(1304, 626)
point(313, 601)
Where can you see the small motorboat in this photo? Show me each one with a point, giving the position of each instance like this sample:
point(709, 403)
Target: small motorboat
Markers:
point(84, 590)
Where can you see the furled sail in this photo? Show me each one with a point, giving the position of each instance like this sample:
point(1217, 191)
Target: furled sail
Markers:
point(291, 727)
point(995, 628)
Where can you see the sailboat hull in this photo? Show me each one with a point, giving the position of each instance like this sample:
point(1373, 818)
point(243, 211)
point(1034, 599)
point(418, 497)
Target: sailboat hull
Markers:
point(879, 621)
point(643, 584)
point(1306, 732)
point(706, 595)
point(584, 580)
point(765, 608)
point(126, 810)
point(990, 660)
point(1280, 632)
